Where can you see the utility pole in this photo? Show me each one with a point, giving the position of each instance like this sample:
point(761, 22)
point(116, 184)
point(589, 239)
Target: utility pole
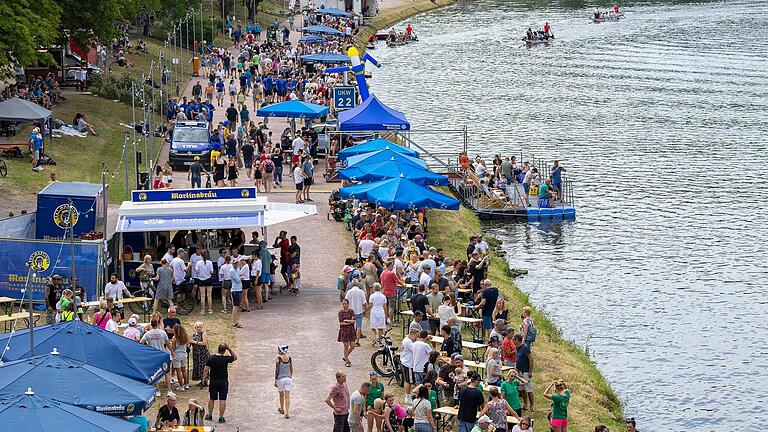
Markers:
point(125, 162)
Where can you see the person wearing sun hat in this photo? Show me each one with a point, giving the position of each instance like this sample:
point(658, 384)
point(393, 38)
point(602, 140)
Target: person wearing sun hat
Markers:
point(483, 424)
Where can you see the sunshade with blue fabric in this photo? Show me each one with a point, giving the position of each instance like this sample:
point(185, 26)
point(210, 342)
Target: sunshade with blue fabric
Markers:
point(94, 346)
point(29, 412)
point(372, 115)
point(325, 58)
point(334, 12)
point(294, 109)
point(375, 145)
point(321, 29)
point(400, 194)
point(392, 169)
point(312, 39)
point(68, 380)
point(384, 155)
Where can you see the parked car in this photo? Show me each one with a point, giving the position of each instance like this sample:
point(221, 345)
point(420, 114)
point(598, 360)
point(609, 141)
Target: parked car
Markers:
point(189, 139)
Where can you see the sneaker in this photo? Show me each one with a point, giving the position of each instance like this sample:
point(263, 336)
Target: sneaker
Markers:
point(208, 417)
point(186, 387)
point(180, 389)
point(157, 395)
point(222, 420)
point(202, 312)
point(224, 311)
point(210, 311)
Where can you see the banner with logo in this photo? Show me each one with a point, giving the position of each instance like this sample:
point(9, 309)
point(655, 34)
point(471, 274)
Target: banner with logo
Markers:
point(45, 259)
point(192, 194)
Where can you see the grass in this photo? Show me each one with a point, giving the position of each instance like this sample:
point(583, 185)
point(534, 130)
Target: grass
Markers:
point(79, 159)
point(593, 401)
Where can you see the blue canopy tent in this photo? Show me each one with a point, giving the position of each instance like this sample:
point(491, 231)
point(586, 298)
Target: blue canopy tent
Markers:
point(312, 39)
point(375, 145)
point(400, 194)
point(94, 346)
point(384, 155)
point(294, 109)
point(334, 12)
point(367, 172)
point(372, 115)
point(325, 58)
point(76, 383)
point(321, 29)
point(31, 413)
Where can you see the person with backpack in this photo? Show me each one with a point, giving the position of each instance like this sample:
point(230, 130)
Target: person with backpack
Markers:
point(527, 329)
point(268, 167)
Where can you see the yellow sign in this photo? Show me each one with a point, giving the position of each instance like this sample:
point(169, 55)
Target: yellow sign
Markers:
point(65, 216)
point(39, 261)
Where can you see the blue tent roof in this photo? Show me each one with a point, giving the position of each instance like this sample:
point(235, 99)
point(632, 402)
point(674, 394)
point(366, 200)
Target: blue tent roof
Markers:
point(77, 383)
point(94, 346)
point(310, 39)
point(321, 29)
point(294, 109)
point(325, 58)
point(334, 12)
point(364, 172)
point(384, 155)
point(400, 194)
point(374, 145)
point(372, 115)
point(31, 413)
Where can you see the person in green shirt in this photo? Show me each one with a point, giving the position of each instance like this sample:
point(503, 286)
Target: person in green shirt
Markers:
point(377, 390)
point(560, 400)
point(509, 390)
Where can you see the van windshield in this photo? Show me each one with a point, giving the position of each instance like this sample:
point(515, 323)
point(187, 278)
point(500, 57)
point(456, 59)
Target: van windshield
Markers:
point(190, 135)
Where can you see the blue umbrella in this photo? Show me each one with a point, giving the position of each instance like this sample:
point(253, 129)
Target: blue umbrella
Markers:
point(374, 145)
point(76, 383)
point(392, 169)
point(294, 109)
point(325, 58)
point(31, 413)
point(400, 194)
point(321, 29)
point(383, 155)
point(312, 39)
point(94, 346)
point(334, 12)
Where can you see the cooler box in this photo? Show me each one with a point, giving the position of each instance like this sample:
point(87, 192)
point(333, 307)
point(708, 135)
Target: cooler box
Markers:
point(53, 209)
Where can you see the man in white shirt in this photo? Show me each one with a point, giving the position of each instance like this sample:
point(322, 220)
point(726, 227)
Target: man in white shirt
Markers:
point(226, 281)
point(424, 278)
point(366, 246)
point(481, 244)
point(245, 278)
point(357, 303)
point(421, 351)
point(298, 181)
point(255, 277)
point(406, 360)
point(298, 145)
point(220, 262)
point(113, 323)
point(114, 290)
point(428, 263)
point(179, 267)
point(169, 253)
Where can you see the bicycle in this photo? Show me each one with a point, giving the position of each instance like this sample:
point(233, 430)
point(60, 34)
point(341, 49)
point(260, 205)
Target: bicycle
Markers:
point(385, 361)
point(182, 299)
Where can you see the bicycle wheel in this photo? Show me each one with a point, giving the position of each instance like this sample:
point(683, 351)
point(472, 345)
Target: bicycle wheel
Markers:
point(382, 364)
point(3, 168)
point(143, 307)
point(399, 377)
point(184, 303)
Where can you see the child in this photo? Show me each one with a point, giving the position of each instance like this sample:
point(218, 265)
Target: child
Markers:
point(296, 278)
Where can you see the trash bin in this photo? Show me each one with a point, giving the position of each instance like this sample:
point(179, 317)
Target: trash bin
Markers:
point(196, 65)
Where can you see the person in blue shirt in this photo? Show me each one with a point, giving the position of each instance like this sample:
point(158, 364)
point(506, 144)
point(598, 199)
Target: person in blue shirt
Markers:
point(282, 84)
point(556, 178)
point(172, 108)
point(36, 145)
point(237, 291)
point(257, 31)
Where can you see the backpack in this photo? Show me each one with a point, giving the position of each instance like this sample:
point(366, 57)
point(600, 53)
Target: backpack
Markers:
point(531, 336)
point(269, 167)
point(456, 337)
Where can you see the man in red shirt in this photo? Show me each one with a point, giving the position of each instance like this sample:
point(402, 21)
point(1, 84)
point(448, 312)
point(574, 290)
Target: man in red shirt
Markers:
point(389, 283)
point(283, 243)
point(546, 28)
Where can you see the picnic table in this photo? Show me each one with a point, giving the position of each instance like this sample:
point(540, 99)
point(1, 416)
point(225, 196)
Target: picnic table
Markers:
point(472, 322)
point(5, 319)
point(447, 414)
point(471, 346)
point(7, 304)
point(96, 303)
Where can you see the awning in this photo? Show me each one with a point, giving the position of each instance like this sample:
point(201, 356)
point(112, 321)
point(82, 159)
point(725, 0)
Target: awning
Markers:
point(284, 212)
point(176, 223)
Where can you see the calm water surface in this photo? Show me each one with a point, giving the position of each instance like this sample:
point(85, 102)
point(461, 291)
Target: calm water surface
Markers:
point(662, 122)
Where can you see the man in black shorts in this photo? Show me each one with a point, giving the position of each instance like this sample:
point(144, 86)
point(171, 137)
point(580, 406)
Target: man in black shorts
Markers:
point(218, 379)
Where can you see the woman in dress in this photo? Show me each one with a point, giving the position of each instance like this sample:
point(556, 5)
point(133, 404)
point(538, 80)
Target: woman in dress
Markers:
point(347, 334)
point(200, 354)
point(284, 379)
point(378, 317)
point(218, 170)
point(164, 287)
point(232, 172)
point(370, 275)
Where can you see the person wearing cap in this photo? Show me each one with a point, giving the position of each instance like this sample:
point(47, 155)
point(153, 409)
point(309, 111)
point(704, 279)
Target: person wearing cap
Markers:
point(284, 379)
point(36, 146)
point(195, 174)
point(168, 416)
point(194, 415)
point(483, 424)
point(471, 401)
point(132, 331)
point(418, 322)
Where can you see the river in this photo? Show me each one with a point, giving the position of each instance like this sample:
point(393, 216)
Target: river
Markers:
point(662, 122)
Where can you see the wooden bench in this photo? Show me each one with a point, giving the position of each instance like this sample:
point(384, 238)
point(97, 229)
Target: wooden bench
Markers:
point(447, 414)
point(5, 319)
point(471, 346)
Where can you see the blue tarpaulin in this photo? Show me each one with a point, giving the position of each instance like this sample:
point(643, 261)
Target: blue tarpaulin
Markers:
point(68, 380)
point(129, 223)
point(312, 39)
point(334, 12)
point(294, 109)
point(321, 29)
point(31, 413)
point(392, 169)
point(400, 194)
point(375, 145)
point(325, 58)
point(94, 346)
point(372, 115)
point(381, 156)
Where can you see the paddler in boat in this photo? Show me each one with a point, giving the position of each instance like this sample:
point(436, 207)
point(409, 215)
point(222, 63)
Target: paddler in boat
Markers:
point(408, 31)
point(547, 28)
point(529, 34)
point(597, 13)
point(616, 9)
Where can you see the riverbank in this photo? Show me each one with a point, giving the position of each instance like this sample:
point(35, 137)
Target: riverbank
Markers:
point(593, 401)
point(394, 11)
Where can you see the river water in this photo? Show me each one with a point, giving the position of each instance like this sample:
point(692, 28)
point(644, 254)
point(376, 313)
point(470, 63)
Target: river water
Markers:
point(661, 121)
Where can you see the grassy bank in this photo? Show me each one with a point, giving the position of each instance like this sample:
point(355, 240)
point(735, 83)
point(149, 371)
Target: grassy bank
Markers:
point(593, 401)
point(388, 17)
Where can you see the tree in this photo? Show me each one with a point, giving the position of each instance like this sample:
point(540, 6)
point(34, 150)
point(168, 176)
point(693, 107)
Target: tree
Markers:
point(88, 20)
point(26, 26)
